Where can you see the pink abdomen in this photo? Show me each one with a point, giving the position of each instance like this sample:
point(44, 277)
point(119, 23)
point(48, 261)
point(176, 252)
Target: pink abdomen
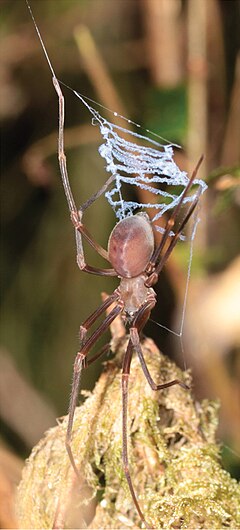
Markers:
point(130, 245)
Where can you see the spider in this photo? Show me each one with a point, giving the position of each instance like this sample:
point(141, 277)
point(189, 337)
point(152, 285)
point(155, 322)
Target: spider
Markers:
point(137, 262)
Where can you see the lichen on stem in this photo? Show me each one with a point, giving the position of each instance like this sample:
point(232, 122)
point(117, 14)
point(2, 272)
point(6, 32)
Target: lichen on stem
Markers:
point(174, 458)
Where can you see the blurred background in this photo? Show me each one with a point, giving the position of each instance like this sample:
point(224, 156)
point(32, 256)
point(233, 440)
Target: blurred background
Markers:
point(174, 67)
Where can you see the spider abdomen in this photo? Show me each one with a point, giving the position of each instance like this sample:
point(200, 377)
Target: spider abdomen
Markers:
point(131, 245)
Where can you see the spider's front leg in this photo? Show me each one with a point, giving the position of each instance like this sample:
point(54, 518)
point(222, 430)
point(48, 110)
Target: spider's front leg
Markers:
point(155, 268)
point(75, 214)
point(83, 266)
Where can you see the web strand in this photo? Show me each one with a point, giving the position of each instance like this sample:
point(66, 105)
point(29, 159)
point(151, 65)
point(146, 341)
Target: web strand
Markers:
point(143, 163)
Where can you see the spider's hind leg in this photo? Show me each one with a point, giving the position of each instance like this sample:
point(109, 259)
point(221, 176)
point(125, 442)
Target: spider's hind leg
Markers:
point(125, 377)
point(154, 386)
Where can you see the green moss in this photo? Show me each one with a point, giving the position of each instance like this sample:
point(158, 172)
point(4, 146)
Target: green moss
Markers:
point(174, 459)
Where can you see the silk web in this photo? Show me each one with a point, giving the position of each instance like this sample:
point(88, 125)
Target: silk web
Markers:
point(141, 162)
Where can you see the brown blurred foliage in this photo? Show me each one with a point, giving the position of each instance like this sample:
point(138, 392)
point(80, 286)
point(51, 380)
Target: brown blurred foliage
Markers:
point(172, 66)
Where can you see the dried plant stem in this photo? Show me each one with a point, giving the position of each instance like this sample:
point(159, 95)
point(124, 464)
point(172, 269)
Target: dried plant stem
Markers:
point(231, 146)
point(174, 458)
point(97, 71)
point(164, 46)
point(197, 97)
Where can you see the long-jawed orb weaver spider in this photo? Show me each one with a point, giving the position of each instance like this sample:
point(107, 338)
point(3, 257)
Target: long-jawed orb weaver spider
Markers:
point(137, 262)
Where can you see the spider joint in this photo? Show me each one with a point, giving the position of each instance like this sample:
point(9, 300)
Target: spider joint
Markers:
point(152, 279)
point(134, 336)
point(150, 268)
point(82, 333)
point(79, 362)
point(81, 262)
point(62, 157)
point(74, 215)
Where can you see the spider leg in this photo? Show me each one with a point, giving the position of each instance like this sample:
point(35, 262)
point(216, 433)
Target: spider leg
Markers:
point(134, 334)
point(125, 377)
point(175, 238)
point(104, 349)
point(170, 223)
point(61, 506)
point(61, 153)
point(83, 266)
point(96, 314)
point(79, 364)
point(152, 279)
point(138, 324)
point(75, 214)
point(134, 343)
point(97, 194)
point(87, 236)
